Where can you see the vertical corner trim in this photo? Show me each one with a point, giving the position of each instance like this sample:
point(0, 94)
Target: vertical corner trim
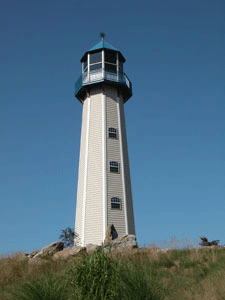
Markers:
point(85, 171)
point(104, 163)
point(122, 163)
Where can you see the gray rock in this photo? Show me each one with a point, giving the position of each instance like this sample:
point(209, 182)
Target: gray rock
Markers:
point(33, 253)
point(127, 242)
point(91, 247)
point(77, 249)
point(50, 249)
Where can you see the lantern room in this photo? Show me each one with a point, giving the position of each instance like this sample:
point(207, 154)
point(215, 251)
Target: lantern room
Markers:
point(103, 64)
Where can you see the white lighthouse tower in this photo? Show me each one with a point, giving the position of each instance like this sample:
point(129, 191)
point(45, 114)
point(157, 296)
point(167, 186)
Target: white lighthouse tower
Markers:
point(104, 188)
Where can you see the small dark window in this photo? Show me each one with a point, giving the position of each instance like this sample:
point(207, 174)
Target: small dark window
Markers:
point(110, 68)
point(110, 57)
point(96, 57)
point(114, 167)
point(112, 133)
point(95, 67)
point(115, 203)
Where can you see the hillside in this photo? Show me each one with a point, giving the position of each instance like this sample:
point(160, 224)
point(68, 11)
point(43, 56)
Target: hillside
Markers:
point(147, 273)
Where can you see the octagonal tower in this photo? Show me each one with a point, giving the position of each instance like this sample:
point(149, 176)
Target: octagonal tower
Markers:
point(104, 188)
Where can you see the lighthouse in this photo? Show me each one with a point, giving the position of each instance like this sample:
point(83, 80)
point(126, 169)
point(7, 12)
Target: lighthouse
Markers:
point(104, 193)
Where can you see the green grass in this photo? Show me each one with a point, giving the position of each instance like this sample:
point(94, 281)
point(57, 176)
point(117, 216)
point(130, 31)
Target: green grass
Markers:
point(45, 287)
point(101, 277)
point(147, 274)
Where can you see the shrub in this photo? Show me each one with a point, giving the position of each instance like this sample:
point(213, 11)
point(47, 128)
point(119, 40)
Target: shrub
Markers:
point(99, 277)
point(67, 236)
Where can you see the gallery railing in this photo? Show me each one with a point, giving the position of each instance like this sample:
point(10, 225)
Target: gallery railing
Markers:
point(98, 76)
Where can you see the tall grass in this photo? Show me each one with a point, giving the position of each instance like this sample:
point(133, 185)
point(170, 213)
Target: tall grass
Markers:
point(189, 274)
point(101, 277)
point(44, 287)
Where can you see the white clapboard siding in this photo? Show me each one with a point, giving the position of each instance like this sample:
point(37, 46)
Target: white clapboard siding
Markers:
point(129, 201)
point(96, 184)
point(80, 186)
point(94, 196)
point(114, 181)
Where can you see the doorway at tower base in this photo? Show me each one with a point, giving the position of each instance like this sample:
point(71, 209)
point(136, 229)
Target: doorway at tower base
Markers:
point(111, 234)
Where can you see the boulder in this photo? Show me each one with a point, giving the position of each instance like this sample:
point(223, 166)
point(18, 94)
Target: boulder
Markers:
point(77, 249)
point(72, 251)
point(111, 234)
point(91, 247)
point(50, 249)
point(127, 242)
point(64, 253)
point(33, 253)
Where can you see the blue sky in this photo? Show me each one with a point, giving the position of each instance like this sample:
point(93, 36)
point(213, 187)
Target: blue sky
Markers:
point(175, 120)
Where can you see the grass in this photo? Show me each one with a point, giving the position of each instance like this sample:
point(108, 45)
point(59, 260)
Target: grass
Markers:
point(189, 274)
point(45, 287)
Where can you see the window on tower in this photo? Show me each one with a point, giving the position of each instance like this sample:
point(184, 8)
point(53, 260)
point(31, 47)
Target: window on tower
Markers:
point(95, 57)
point(114, 167)
point(110, 68)
point(95, 67)
point(85, 65)
point(95, 62)
point(110, 57)
point(120, 67)
point(115, 203)
point(112, 133)
point(85, 68)
point(110, 61)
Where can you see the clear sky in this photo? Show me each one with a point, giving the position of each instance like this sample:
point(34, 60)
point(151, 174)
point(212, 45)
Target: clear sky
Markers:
point(175, 120)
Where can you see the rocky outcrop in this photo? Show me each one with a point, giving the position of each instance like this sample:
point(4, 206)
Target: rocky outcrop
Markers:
point(70, 252)
point(112, 242)
point(64, 253)
point(32, 254)
point(77, 250)
point(127, 242)
point(50, 249)
point(91, 247)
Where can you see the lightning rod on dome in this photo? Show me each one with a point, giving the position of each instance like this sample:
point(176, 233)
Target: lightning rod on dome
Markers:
point(102, 35)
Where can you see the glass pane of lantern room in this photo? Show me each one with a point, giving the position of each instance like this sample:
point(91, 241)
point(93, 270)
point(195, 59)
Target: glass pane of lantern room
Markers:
point(95, 67)
point(96, 57)
point(85, 64)
point(110, 68)
point(110, 57)
point(120, 67)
